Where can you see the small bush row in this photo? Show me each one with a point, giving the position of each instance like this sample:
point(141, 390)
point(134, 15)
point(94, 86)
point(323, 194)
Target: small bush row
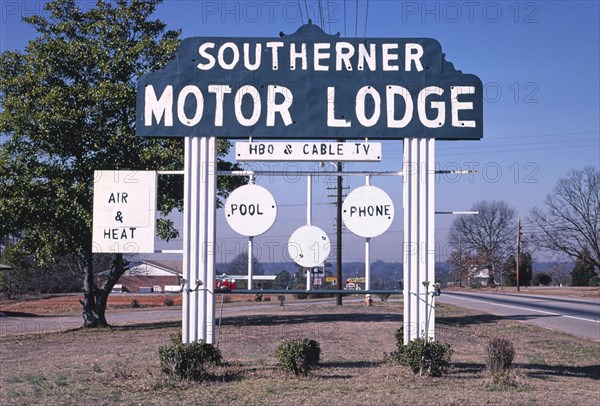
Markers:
point(192, 361)
point(421, 355)
point(298, 356)
point(195, 361)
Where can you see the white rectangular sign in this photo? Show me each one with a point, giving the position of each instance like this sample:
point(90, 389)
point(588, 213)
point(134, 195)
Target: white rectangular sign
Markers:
point(308, 151)
point(124, 211)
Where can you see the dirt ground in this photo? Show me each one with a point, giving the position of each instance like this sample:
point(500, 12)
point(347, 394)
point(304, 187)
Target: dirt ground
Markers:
point(69, 304)
point(121, 366)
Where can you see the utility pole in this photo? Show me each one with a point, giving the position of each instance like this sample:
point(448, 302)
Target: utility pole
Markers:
point(338, 245)
point(460, 261)
point(518, 251)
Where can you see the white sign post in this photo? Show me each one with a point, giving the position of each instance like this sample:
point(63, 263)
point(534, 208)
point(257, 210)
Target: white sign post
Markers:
point(419, 238)
point(199, 232)
point(124, 210)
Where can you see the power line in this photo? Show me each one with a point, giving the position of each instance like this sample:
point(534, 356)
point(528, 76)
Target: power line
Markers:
point(444, 154)
point(366, 18)
point(329, 16)
point(300, 9)
point(306, 8)
point(356, 21)
point(320, 5)
point(345, 34)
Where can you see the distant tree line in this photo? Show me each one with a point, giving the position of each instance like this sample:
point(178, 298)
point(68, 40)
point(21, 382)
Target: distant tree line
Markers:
point(568, 228)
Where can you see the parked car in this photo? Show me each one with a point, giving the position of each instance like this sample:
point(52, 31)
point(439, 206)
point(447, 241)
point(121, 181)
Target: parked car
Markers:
point(223, 282)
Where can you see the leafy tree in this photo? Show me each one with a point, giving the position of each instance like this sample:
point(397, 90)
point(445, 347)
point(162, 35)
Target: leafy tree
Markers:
point(299, 279)
point(487, 238)
point(15, 280)
point(542, 279)
point(283, 280)
point(525, 270)
point(583, 272)
point(570, 223)
point(67, 108)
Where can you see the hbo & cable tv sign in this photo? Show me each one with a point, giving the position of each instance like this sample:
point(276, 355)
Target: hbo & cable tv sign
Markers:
point(310, 85)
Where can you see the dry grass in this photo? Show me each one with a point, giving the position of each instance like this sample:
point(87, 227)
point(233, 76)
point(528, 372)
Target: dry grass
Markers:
point(120, 366)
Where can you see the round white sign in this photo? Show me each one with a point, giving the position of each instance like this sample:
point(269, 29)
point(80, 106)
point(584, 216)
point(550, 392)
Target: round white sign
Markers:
point(250, 210)
point(368, 211)
point(309, 246)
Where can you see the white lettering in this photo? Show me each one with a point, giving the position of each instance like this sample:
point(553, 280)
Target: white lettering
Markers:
point(275, 52)
point(257, 56)
point(160, 107)
point(387, 57)
point(283, 108)
point(331, 120)
point(235, 55)
point(360, 106)
point(187, 90)
point(368, 57)
point(219, 91)
point(413, 57)
point(456, 106)
point(207, 56)
point(239, 97)
point(319, 55)
point(440, 119)
point(390, 96)
point(344, 51)
point(298, 55)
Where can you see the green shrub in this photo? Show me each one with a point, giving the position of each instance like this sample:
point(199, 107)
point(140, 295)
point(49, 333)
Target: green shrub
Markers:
point(135, 303)
point(500, 354)
point(188, 361)
point(298, 356)
point(431, 357)
point(168, 301)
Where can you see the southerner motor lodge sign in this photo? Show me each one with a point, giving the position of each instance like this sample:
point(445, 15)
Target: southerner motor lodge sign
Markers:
point(310, 85)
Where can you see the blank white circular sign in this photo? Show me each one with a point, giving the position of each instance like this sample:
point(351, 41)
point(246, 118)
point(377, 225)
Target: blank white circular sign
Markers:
point(250, 210)
point(309, 246)
point(368, 211)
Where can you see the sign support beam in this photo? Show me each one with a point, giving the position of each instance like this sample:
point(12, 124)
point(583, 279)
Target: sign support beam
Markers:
point(419, 237)
point(199, 234)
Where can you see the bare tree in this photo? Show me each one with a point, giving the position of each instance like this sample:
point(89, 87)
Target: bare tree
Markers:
point(487, 237)
point(570, 224)
point(239, 265)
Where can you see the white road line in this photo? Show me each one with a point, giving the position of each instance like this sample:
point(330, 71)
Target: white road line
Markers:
point(526, 308)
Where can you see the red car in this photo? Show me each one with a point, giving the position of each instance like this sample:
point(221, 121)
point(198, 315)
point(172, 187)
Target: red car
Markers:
point(224, 282)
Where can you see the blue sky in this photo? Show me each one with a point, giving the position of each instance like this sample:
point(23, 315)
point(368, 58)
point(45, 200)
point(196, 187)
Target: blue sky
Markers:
point(539, 62)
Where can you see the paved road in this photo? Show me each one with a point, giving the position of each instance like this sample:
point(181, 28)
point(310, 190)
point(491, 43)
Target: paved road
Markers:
point(578, 317)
